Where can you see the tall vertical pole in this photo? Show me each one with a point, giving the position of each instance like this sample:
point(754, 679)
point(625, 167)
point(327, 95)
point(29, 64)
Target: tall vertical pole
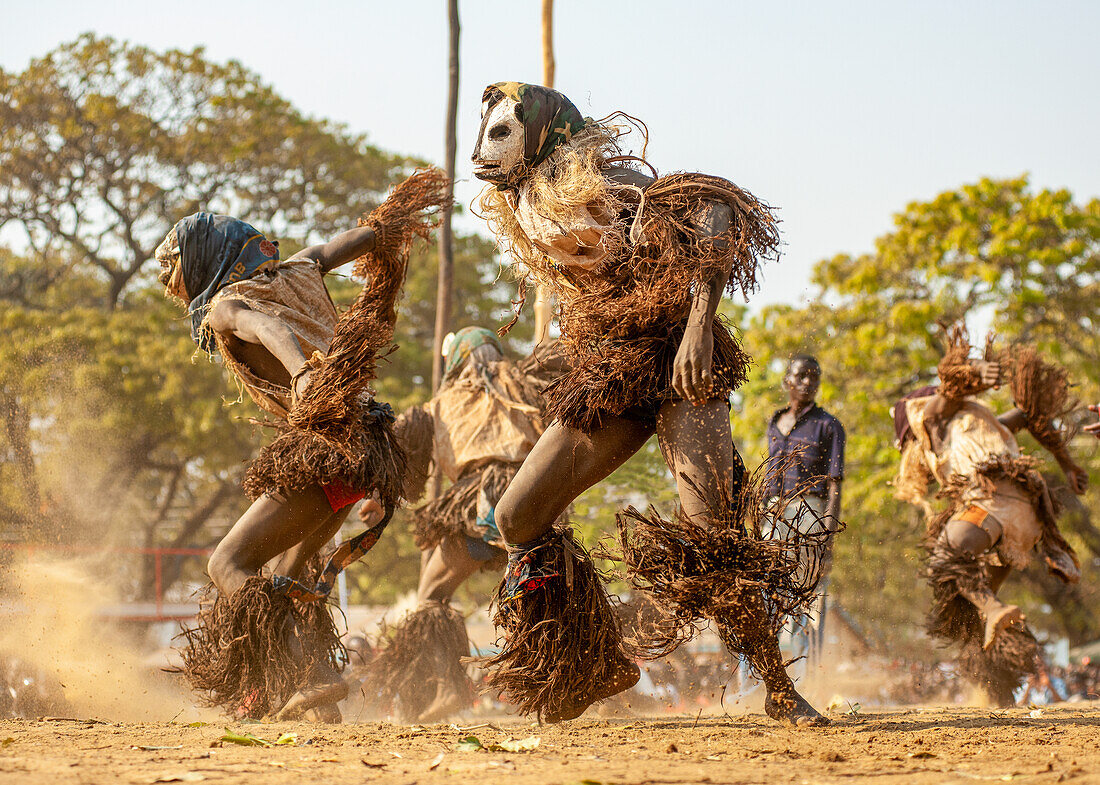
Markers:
point(444, 296)
point(548, 43)
point(445, 288)
point(543, 308)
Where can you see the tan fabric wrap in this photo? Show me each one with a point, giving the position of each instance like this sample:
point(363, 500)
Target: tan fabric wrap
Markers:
point(295, 293)
point(973, 436)
point(1020, 526)
point(579, 243)
point(477, 422)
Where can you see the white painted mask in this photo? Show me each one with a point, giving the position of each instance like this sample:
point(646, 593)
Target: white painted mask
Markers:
point(500, 145)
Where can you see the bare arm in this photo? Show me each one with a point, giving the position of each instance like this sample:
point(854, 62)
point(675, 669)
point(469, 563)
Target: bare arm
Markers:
point(621, 175)
point(232, 318)
point(343, 248)
point(691, 370)
point(938, 412)
point(1014, 419)
point(837, 442)
point(1077, 477)
point(1094, 428)
point(832, 523)
point(832, 506)
point(941, 408)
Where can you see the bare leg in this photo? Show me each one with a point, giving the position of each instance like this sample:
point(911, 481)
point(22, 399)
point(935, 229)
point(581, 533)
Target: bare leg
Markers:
point(448, 566)
point(291, 562)
point(698, 447)
point(266, 529)
point(292, 531)
point(564, 463)
point(968, 538)
point(316, 702)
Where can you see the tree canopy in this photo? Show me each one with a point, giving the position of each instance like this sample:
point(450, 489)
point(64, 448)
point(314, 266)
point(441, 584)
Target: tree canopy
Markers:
point(115, 430)
point(104, 144)
point(994, 253)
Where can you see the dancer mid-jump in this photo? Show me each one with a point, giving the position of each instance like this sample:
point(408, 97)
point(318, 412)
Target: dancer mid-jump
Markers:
point(639, 265)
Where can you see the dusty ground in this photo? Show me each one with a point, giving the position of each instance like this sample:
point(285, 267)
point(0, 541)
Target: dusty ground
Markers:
point(916, 746)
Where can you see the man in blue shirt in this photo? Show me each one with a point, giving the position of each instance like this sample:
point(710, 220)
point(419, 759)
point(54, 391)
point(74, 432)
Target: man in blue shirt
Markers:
point(806, 456)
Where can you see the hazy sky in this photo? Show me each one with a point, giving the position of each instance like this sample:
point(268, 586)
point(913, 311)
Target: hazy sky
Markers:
point(837, 113)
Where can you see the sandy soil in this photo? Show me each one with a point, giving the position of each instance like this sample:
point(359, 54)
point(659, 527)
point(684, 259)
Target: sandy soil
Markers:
point(915, 746)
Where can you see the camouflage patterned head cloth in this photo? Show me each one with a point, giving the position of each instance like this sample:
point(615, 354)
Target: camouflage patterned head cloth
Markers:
point(549, 119)
point(462, 345)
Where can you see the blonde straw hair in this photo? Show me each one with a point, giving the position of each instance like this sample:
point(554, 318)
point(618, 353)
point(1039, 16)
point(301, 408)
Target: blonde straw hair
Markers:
point(571, 179)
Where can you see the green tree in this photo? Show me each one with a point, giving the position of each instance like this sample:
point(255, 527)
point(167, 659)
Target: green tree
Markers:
point(104, 144)
point(113, 429)
point(995, 252)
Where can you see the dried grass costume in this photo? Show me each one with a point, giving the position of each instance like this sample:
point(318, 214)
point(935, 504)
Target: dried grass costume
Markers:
point(624, 262)
point(483, 422)
point(981, 471)
point(251, 652)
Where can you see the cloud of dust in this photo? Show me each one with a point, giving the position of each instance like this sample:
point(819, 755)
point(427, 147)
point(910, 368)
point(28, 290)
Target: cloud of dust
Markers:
point(51, 616)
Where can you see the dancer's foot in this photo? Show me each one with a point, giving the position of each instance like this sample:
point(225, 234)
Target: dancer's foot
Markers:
point(997, 619)
point(790, 707)
point(313, 697)
point(626, 676)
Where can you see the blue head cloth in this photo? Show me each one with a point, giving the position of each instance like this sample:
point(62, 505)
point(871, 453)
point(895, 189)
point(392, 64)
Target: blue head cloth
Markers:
point(215, 251)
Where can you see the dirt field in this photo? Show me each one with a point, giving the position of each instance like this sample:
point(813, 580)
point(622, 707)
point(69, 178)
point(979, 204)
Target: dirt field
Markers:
point(915, 746)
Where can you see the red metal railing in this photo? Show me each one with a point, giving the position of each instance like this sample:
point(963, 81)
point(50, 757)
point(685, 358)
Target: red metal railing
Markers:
point(158, 606)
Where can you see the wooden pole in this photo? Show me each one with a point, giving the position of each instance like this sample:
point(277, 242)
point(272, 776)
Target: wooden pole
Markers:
point(548, 43)
point(445, 287)
point(543, 308)
point(444, 295)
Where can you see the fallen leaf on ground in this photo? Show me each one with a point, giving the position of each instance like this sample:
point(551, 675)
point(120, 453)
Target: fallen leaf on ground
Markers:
point(370, 765)
point(519, 745)
point(473, 744)
point(196, 724)
point(7, 741)
point(435, 761)
point(470, 744)
point(251, 740)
